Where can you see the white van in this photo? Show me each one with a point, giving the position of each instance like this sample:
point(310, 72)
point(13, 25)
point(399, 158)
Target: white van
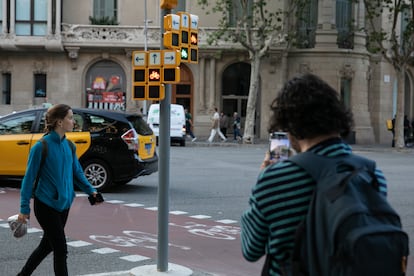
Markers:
point(177, 130)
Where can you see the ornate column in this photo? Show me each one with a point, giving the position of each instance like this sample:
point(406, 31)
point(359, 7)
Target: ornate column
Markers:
point(202, 86)
point(212, 84)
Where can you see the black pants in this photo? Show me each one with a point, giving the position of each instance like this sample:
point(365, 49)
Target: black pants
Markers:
point(54, 239)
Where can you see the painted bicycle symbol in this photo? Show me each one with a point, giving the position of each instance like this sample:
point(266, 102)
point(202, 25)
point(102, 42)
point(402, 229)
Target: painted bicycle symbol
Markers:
point(133, 238)
point(221, 232)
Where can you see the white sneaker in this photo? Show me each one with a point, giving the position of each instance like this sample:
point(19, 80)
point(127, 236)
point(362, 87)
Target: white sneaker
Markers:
point(195, 138)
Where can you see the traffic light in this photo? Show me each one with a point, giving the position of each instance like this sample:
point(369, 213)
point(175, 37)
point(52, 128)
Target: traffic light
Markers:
point(156, 92)
point(154, 75)
point(139, 83)
point(171, 75)
point(139, 75)
point(184, 54)
point(172, 31)
point(184, 28)
point(194, 39)
point(168, 4)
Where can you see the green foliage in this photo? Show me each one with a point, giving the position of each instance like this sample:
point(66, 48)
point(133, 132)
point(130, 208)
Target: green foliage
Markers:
point(104, 20)
point(390, 29)
point(250, 23)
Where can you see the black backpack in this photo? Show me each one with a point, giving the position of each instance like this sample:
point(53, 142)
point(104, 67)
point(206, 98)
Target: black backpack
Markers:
point(350, 228)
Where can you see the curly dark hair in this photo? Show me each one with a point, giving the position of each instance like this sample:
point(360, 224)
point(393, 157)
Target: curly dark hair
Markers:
point(308, 107)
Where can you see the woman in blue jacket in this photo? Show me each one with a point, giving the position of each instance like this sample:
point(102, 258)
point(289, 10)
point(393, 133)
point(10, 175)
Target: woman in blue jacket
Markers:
point(54, 193)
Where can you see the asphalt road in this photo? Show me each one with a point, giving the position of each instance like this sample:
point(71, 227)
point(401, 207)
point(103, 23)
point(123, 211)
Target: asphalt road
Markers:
point(213, 182)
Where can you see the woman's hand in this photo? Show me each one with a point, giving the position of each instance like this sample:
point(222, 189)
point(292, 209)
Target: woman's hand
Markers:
point(23, 218)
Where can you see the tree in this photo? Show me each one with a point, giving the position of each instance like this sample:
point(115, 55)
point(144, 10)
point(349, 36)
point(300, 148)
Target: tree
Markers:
point(390, 32)
point(256, 28)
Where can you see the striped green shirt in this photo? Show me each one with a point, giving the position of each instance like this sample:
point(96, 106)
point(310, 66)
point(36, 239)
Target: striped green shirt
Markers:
point(279, 202)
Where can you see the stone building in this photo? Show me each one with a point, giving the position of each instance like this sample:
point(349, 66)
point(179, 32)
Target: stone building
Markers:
point(51, 51)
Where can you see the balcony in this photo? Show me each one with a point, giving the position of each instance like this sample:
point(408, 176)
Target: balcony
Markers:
point(100, 36)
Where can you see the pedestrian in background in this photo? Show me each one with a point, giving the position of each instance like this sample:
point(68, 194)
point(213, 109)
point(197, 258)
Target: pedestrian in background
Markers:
point(215, 127)
point(236, 127)
point(224, 123)
point(281, 197)
point(54, 192)
point(189, 125)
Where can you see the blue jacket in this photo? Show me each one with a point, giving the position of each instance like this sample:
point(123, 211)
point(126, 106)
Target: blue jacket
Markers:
point(55, 186)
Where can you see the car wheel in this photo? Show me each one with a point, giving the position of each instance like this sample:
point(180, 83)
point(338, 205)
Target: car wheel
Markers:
point(98, 174)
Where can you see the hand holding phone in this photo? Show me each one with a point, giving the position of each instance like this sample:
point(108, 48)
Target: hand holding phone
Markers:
point(93, 199)
point(279, 146)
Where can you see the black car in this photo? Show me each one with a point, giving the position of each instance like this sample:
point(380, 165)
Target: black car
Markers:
point(113, 147)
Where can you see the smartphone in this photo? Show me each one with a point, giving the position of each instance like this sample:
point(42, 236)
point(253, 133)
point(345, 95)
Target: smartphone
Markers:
point(93, 200)
point(279, 145)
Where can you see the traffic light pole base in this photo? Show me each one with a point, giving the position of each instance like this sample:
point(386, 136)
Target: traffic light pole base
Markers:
point(151, 270)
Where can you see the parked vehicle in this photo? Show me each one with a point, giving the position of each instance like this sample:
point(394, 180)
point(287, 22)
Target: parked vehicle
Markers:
point(177, 128)
point(113, 147)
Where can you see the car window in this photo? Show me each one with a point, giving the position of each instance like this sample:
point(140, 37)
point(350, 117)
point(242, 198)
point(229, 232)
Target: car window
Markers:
point(17, 125)
point(141, 127)
point(78, 122)
point(98, 123)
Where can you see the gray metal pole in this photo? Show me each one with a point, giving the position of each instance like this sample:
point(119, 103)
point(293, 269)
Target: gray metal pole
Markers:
point(144, 108)
point(164, 170)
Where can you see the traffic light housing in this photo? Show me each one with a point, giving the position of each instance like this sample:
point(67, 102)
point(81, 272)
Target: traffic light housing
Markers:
point(171, 75)
point(139, 75)
point(194, 47)
point(168, 4)
point(139, 83)
point(156, 92)
point(171, 37)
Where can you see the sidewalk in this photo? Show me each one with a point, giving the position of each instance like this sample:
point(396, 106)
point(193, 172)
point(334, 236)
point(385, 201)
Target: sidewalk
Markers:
point(202, 142)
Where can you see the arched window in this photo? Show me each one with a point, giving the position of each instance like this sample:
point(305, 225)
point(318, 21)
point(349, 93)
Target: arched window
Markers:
point(236, 79)
point(106, 86)
point(235, 84)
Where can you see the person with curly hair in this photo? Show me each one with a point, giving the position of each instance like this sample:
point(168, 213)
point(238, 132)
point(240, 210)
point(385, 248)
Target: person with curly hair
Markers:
point(314, 118)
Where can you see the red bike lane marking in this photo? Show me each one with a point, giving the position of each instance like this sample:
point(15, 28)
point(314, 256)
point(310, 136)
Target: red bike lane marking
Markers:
point(216, 256)
point(211, 255)
point(220, 255)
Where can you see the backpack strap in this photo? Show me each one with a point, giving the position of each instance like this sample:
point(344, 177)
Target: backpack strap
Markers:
point(42, 162)
point(319, 166)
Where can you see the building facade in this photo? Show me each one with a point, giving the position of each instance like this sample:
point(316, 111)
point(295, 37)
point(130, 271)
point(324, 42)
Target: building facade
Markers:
point(70, 52)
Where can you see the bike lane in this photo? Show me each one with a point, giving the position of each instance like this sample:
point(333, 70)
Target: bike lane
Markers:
point(199, 244)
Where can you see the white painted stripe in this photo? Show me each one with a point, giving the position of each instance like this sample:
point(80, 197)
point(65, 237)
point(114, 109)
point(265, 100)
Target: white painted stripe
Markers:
point(114, 201)
point(200, 217)
point(81, 195)
point(178, 212)
point(34, 230)
point(134, 205)
point(227, 221)
point(78, 243)
point(152, 208)
point(105, 250)
point(134, 258)
point(114, 273)
point(4, 225)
